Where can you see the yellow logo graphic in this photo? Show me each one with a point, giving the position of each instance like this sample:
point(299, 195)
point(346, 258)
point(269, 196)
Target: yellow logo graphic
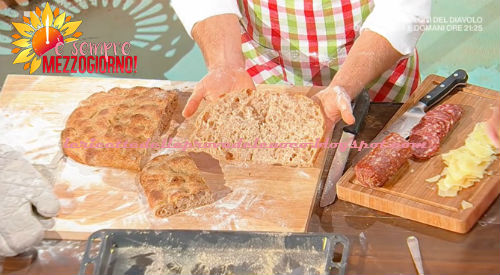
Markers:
point(40, 33)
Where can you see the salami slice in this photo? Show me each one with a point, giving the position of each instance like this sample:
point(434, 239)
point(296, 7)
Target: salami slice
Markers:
point(454, 112)
point(374, 169)
point(433, 126)
point(443, 124)
point(429, 145)
point(433, 129)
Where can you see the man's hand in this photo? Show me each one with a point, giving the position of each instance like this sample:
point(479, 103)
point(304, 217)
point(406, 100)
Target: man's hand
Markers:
point(216, 83)
point(494, 127)
point(219, 39)
point(336, 104)
point(370, 56)
point(23, 188)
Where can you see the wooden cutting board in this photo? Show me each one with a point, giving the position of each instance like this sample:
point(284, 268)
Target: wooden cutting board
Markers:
point(409, 195)
point(33, 110)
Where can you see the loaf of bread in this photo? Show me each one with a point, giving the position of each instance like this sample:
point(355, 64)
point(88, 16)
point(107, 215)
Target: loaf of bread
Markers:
point(135, 116)
point(270, 117)
point(172, 184)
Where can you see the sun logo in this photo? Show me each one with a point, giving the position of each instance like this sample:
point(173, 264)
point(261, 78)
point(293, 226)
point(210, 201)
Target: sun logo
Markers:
point(40, 33)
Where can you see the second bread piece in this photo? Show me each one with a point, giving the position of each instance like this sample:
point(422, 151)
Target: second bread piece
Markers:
point(172, 184)
point(271, 117)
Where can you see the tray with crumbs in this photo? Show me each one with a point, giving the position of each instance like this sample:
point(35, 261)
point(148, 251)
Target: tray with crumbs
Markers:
point(193, 252)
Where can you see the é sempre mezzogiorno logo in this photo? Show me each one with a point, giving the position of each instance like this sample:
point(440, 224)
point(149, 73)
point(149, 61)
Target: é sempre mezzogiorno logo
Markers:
point(50, 29)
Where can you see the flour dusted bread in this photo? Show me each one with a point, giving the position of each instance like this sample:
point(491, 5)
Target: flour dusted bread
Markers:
point(172, 184)
point(271, 117)
point(136, 116)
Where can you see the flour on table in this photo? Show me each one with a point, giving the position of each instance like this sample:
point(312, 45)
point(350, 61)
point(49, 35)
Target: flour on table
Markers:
point(66, 203)
point(137, 218)
point(252, 199)
point(234, 200)
point(125, 205)
point(65, 223)
point(303, 174)
point(82, 198)
point(80, 176)
point(37, 137)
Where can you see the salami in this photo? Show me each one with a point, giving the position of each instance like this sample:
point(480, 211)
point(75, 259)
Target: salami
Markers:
point(433, 129)
point(374, 169)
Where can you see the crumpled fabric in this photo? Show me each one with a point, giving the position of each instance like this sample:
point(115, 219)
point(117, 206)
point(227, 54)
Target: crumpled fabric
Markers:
point(27, 203)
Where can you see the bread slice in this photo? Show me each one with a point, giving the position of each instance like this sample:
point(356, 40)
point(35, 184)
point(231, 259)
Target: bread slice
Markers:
point(120, 115)
point(270, 117)
point(172, 184)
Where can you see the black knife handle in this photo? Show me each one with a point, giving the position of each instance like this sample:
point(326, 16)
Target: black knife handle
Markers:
point(361, 106)
point(458, 78)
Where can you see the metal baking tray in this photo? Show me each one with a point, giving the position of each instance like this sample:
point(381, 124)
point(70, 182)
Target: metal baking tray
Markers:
point(196, 252)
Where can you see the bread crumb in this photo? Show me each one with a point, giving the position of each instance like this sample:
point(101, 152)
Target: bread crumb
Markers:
point(466, 204)
point(412, 170)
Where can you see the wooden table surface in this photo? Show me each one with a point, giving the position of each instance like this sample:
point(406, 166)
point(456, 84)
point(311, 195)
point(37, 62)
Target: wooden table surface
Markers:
point(378, 240)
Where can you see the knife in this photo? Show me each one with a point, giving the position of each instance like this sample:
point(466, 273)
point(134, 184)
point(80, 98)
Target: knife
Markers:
point(414, 247)
point(361, 106)
point(412, 117)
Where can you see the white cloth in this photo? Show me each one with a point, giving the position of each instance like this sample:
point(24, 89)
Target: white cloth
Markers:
point(401, 22)
point(191, 12)
point(22, 187)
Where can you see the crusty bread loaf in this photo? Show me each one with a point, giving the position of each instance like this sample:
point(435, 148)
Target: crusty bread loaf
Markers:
point(172, 184)
point(119, 115)
point(269, 116)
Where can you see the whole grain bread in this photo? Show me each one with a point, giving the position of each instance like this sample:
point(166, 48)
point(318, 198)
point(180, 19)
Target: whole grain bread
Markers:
point(136, 116)
point(172, 184)
point(258, 117)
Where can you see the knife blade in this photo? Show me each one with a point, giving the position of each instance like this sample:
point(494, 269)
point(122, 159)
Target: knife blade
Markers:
point(337, 166)
point(412, 117)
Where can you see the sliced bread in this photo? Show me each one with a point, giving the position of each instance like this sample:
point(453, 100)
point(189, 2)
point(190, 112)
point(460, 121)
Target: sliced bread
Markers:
point(172, 184)
point(271, 118)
